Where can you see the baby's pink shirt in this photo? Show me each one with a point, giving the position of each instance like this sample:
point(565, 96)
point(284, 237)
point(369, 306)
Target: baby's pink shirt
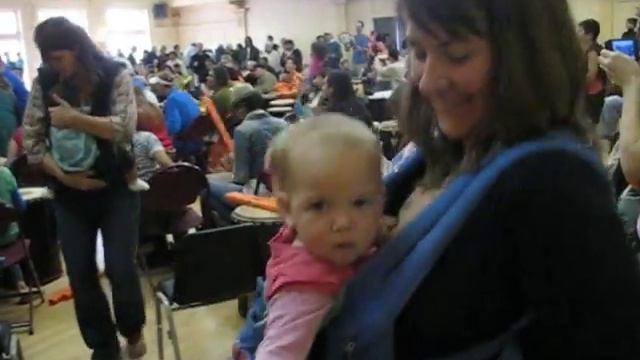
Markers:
point(300, 292)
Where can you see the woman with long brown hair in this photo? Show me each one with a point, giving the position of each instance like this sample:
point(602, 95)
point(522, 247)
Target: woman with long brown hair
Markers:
point(79, 89)
point(537, 267)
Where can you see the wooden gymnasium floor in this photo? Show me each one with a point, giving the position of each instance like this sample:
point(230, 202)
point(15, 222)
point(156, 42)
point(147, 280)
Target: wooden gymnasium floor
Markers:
point(205, 333)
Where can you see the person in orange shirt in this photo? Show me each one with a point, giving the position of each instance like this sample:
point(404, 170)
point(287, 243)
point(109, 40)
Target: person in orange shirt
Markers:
point(290, 82)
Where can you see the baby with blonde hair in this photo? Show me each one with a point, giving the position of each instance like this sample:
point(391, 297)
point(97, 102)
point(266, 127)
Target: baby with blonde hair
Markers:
point(328, 184)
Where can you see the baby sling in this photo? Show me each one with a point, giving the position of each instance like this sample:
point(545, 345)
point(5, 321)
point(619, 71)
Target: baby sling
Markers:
point(363, 329)
point(364, 326)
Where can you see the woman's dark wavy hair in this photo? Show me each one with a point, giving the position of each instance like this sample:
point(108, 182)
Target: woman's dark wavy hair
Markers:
point(58, 33)
point(340, 82)
point(537, 77)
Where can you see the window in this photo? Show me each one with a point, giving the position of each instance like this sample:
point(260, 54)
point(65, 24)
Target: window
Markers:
point(127, 28)
point(8, 23)
point(11, 39)
point(76, 16)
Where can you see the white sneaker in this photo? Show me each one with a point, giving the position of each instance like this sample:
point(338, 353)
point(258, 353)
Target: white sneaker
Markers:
point(139, 186)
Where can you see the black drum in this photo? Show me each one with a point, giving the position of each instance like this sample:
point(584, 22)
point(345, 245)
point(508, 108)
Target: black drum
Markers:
point(38, 225)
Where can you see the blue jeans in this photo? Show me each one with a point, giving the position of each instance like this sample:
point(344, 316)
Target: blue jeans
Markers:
point(610, 117)
point(116, 213)
point(217, 191)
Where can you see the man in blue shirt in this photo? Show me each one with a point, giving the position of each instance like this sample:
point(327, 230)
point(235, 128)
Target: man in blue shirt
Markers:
point(19, 90)
point(251, 142)
point(180, 111)
point(335, 51)
point(360, 50)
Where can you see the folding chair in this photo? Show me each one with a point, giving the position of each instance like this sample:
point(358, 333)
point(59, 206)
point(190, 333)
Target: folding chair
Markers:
point(14, 254)
point(211, 267)
point(165, 207)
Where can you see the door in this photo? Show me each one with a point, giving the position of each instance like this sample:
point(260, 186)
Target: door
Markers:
point(387, 25)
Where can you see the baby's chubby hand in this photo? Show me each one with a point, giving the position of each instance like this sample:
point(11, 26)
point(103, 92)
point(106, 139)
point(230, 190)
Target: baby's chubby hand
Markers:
point(387, 227)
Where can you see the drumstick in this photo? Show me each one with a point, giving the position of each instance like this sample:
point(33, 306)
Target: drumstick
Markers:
point(61, 295)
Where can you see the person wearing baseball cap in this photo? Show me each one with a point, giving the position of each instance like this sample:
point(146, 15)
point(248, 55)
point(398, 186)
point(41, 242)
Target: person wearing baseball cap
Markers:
point(180, 111)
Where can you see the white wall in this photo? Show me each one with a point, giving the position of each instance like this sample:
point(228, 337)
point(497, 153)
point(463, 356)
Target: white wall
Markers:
point(367, 10)
point(300, 20)
point(216, 22)
point(96, 10)
point(210, 24)
point(611, 14)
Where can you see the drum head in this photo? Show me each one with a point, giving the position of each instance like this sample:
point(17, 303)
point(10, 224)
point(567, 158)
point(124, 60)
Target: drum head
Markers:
point(280, 110)
point(35, 193)
point(282, 102)
point(391, 126)
point(249, 214)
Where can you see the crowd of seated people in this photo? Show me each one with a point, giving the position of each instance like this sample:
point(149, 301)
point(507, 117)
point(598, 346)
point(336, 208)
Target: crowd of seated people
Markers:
point(169, 83)
point(229, 72)
point(252, 138)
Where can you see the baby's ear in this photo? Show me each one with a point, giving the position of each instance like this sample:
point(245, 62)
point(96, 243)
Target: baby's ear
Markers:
point(284, 208)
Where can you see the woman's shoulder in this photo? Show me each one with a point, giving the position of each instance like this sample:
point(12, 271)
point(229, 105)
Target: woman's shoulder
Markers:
point(552, 193)
point(555, 167)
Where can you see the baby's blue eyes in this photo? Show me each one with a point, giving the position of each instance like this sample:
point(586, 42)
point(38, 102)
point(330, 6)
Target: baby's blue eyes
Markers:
point(317, 206)
point(361, 203)
point(320, 206)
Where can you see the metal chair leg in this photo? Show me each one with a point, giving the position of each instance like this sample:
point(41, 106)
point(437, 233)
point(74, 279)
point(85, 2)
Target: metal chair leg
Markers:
point(32, 268)
point(36, 279)
point(30, 310)
point(159, 328)
point(174, 334)
point(142, 262)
